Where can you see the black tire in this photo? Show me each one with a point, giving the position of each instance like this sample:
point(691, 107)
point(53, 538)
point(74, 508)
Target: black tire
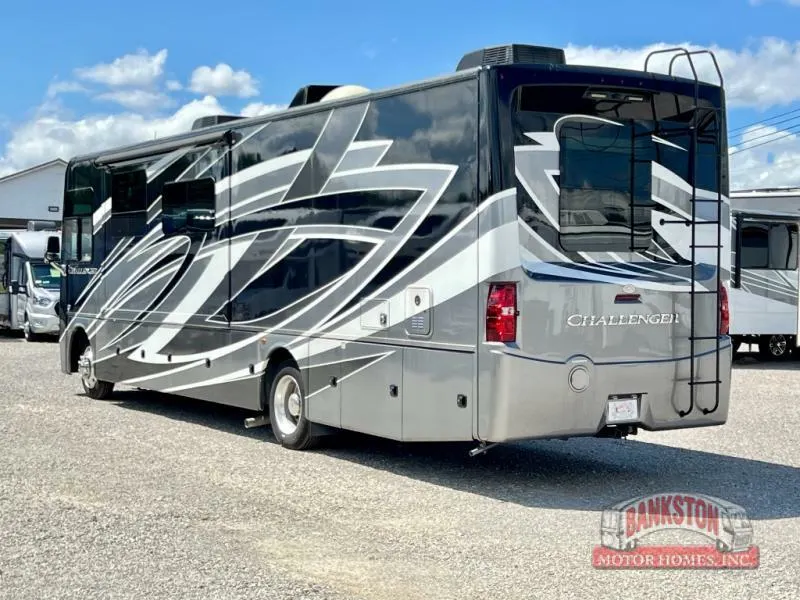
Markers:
point(96, 389)
point(293, 431)
point(102, 390)
point(774, 347)
point(27, 333)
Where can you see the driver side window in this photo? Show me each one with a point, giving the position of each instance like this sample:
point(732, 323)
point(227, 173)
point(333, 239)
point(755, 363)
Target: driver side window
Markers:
point(77, 227)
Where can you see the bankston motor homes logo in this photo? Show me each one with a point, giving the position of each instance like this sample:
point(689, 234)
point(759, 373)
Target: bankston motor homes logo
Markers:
point(725, 524)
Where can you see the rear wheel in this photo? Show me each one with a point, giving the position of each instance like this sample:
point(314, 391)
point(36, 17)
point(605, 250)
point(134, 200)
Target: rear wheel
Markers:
point(774, 347)
point(94, 388)
point(287, 408)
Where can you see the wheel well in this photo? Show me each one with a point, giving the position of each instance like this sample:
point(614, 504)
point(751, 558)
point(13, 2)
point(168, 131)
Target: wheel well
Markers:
point(276, 357)
point(77, 345)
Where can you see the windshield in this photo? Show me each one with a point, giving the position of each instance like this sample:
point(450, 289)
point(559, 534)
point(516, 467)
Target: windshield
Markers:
point(46, 277)
point(593, 181)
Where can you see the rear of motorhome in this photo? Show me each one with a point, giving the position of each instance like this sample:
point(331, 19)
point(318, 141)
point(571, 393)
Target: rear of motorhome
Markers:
point(764, 279)
point(522, 249)
point(29, 287)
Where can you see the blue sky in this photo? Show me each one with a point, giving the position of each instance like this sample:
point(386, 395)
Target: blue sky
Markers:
point(262, 52)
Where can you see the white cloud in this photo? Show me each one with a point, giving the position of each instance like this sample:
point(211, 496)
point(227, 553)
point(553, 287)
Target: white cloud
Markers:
point(64, 87)
point(140, 69)
point(765, 157)
point(766, 76)
point(51, 136)
point(256, 109)
point(222, 80)
point(142, 100)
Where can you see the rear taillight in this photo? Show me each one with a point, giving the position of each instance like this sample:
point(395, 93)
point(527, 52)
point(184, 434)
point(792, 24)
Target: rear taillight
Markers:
point(501, 313)
point(724, 311)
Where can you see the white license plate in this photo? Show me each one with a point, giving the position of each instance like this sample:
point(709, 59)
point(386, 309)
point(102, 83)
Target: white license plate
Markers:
point(622, 411)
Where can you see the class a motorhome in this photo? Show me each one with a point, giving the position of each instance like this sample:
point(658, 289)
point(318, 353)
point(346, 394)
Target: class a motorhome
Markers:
point(764, 278)
point(522, 249)
point(29, 286)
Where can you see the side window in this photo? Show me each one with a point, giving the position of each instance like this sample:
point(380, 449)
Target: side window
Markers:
point(188, 206)
point(129, 192)
point(769, 246)
point(783, 247)
point(70, 242)
point(77, 237)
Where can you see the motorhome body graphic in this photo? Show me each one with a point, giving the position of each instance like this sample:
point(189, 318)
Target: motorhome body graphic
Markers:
point(626, 524)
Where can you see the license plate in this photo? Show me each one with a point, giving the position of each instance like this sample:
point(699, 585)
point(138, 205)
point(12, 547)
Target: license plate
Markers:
point(622, 410)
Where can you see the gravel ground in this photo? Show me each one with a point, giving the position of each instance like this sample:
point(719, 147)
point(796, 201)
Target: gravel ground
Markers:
point(146, 496)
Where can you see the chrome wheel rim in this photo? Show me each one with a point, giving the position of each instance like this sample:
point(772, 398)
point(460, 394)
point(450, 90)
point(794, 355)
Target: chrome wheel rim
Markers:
point(86, 367)
point(288, 404)
point(777, 345)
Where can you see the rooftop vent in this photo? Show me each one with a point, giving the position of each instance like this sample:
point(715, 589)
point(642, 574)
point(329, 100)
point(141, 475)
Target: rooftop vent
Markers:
point(511, 54)
point(212, 120)
point(311, 94)
point(345, 91)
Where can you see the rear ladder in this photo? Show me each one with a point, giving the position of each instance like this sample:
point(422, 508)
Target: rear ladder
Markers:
point(693, 382)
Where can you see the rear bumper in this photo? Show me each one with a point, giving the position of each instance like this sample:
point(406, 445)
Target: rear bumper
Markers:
point(533, 399)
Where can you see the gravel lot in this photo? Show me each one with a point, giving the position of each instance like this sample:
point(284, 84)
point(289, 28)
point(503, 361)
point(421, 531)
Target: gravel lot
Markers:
point(147, 496)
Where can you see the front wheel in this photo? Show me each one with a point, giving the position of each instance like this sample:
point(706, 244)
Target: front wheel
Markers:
point(94, 388)
point(30, 336)
point(287, 408)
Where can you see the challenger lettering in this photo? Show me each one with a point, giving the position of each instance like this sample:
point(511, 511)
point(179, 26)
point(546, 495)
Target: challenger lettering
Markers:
point(579, 320)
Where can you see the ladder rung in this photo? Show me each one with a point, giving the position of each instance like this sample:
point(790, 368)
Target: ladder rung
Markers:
point(707, 222)
point(709, 382)
point(705, 246)
point(708, 200)
point(703, 337)
point(705, 292)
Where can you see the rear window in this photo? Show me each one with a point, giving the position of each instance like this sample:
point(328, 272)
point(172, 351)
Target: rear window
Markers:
point(605, 185)
point(601, 178)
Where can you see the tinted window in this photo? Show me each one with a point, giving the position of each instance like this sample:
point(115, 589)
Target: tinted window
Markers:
point(602, 176)
point(77, 239)
point(79, 202)
point(769, 246)
point(605, 186)
point(129, 191)
point(314, 263)
point(188, 205)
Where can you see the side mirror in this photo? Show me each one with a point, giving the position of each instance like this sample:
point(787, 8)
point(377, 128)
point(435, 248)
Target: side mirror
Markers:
point(53, 252)
point(13, 288)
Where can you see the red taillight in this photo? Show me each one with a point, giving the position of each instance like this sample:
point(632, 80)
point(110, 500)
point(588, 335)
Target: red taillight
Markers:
point(501, 313)
point(724, 311)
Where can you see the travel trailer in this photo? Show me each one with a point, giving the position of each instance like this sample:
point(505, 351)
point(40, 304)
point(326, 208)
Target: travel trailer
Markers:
point(764, 279)
point(29, 287)
point(521, 249)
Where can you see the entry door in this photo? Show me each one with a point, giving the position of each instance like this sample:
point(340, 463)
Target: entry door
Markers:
point(20, 299)
point(795, 240)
